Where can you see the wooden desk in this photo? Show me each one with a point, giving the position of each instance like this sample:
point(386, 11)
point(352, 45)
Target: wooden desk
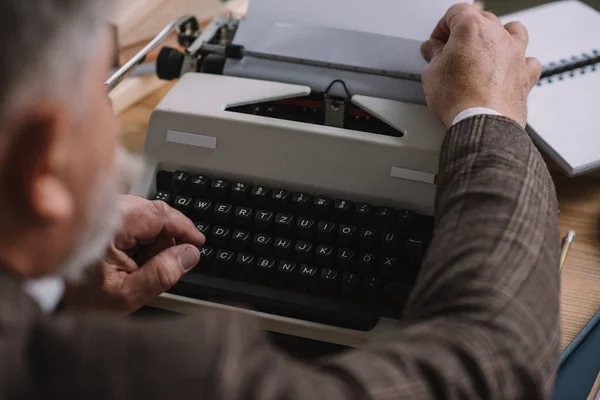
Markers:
point(580, 211)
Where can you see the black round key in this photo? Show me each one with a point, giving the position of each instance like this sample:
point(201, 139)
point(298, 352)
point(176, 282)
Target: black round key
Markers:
point(363, 213)
point(322, 206)
point(207, 259)
point(384, 216)
point(300, 203)
point(306, 228)
point(350, 283)
point(308, 276)
point(390, 242)
point(326, 232)
point(263, 220)
point(240, 240)
point(368, 239)
point(342, 209)
point(224, 261)
point(280, 199)
point(414, 249)
point(366, 263)
point(304, 251)
point(242, 216)
point(347, 235)
point(406, 220)
point(181, 181)
point(243, 264)
point(199, 186)
point(220, 236)
point(325, 256)
point(390, 268)
point(259, 195)
point(372, 286)
point(240, 193)
point(329, 280)
point(261, 244)
point(203, 210)
point(222, 213)
point(219, 188)
point(264, 270)
point(282, 248)
point(287, 274)
point(346, 259)
point(284, 224)
point(183, 204)
point(203, 228)
point(163, 196)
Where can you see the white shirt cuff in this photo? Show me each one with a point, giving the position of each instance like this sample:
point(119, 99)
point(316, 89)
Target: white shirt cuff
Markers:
point(47, 291)
point(471, 112)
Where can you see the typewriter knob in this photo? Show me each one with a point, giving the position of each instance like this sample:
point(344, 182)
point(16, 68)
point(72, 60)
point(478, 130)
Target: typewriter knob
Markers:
point(169, 63)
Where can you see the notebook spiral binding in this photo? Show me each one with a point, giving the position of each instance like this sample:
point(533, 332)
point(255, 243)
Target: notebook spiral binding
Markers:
point(570, 68)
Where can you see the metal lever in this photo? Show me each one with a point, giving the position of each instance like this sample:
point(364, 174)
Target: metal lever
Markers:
point(335, 112)
point(182, 24)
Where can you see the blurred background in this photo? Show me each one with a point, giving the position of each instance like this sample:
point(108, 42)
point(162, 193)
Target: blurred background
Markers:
point(508, 6)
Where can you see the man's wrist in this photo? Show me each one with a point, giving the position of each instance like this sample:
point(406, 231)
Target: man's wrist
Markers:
point(473, 111)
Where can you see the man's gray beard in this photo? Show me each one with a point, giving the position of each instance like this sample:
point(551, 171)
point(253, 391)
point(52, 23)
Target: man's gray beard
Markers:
point(104, 217)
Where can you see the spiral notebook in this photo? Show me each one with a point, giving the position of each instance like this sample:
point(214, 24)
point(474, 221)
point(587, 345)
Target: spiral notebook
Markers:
point(564, 114)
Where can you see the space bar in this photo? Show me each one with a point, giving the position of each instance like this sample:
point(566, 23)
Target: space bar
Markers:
point(277, 301)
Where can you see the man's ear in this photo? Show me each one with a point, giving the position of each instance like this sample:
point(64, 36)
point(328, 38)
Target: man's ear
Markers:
point(33, 173)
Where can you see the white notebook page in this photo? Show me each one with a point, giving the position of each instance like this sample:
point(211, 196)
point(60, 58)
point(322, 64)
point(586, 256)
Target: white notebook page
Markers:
point(564, 114)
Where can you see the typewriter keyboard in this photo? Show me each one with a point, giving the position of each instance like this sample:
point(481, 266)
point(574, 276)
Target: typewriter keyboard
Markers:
point(297, 254)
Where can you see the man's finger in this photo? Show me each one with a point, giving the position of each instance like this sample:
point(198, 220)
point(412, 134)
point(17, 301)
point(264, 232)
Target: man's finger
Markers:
point(518, 31)
point(160, 244)
point(491, 16)
point(144, 222)
point(454, 15)
point(534, 68)
point(160, 274)
point(431, 49)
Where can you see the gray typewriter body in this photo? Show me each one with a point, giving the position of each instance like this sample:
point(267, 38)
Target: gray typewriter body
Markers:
point(197, 129)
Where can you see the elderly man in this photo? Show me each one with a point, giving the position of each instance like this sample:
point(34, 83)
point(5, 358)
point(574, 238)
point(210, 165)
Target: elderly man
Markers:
point(482, 321)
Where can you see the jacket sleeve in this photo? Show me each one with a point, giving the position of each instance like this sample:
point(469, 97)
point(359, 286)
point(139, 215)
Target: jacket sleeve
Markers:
point(481, 323)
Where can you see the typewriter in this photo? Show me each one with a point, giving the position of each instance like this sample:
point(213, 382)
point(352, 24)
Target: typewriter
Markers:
point(312, 177)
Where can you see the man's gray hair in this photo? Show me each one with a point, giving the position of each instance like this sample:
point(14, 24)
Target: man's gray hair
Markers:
point(45, 45)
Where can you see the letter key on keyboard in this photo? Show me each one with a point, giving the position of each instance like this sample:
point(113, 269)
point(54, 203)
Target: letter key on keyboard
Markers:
point(297, 254)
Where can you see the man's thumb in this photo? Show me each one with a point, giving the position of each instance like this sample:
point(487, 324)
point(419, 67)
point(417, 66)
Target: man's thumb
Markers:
point(431, 48)
point(164, 270)
point(189, 257)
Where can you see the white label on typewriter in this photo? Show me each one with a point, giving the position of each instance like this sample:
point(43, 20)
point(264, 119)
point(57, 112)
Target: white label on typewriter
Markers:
point(192, 139)
point(417, 176)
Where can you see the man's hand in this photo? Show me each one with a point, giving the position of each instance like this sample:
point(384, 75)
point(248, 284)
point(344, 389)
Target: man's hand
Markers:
point(148, 233)
point(474, 61)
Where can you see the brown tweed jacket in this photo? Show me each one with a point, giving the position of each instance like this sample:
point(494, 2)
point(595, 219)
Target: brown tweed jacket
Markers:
point(482, 323)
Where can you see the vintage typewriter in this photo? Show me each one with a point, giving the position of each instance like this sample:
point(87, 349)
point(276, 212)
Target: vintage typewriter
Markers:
point(312, 177)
